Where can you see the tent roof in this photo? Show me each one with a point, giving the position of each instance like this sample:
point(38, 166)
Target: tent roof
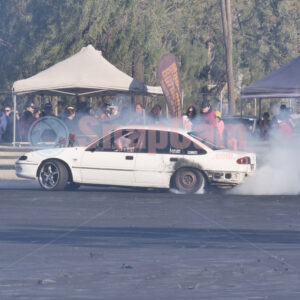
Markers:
point(282, 83)
point(85, 73)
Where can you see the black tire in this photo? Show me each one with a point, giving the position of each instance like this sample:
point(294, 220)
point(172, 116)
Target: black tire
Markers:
point(53, 176)
point(188, 180)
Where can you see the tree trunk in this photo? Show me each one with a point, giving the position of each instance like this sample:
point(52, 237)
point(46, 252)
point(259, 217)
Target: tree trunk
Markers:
point(227, 30)
point(138, 71)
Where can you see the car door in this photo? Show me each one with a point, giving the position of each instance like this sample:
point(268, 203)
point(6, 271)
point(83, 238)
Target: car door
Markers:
point(182, 152)
point(150, 169)
point(109, 162)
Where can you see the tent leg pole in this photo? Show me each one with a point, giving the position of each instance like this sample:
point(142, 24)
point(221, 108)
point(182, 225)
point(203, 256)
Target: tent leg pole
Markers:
point(15, 123)
point(241, 108)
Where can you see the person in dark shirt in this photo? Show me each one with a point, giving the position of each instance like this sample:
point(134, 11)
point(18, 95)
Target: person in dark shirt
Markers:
point(26, 120)
point(208, 114)
point(47, 110)
point(71, 120)
point(8, 134)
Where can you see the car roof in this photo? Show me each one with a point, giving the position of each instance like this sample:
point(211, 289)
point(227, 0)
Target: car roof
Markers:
point(159, 127)
point(246, 117)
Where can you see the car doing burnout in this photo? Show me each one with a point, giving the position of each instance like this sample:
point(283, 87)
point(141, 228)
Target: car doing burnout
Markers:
point(139, 156)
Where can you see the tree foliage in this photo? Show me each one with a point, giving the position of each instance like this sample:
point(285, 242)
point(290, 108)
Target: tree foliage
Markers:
point(134, 34)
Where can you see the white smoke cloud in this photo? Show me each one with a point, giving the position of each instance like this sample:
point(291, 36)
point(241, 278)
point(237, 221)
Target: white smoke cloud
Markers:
point(278, 171)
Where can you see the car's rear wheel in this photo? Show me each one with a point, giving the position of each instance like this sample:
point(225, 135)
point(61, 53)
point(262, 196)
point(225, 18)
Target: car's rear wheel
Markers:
point(188, 180)
point(53, 176)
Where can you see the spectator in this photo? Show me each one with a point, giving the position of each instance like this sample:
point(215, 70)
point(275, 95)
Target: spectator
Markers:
point(8, 134)
point(125, 116)
point(155, 114)
point(265, 126)
point(189, 118)
point(283, 122)
point(208, 114)
point(37, 113)
point(109, 112)
point(26, 120)
point(220, 128)
point(47, 110)
point(3, 123)
point(70, 119)
point(139, 114)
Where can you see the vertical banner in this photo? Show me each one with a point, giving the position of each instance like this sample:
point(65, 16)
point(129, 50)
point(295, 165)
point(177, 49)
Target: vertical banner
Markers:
point(167, 73)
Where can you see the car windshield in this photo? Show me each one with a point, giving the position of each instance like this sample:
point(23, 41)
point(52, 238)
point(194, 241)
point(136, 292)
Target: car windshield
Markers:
point(196, 135)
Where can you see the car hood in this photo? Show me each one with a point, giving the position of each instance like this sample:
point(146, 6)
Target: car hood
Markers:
point(59, 153)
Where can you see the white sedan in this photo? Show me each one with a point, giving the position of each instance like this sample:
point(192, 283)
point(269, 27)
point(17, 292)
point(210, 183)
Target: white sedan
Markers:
point(139, 156)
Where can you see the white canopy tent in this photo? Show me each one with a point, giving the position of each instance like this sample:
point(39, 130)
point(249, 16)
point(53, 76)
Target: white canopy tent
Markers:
point(85, 73)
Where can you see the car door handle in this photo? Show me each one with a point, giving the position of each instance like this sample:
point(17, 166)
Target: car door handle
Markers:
point(173, 159)
point(129, 157)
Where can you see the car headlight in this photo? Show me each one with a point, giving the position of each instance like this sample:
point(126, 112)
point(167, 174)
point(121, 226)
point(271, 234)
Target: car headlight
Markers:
point(23, 157)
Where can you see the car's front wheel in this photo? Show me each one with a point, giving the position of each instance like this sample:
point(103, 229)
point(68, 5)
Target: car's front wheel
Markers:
point(188, 180)
point(53, 176)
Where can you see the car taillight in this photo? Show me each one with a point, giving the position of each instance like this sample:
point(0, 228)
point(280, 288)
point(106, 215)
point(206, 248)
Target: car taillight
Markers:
point(244, 160)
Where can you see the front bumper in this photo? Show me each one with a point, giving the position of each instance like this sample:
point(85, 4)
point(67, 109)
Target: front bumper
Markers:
point(26, 170)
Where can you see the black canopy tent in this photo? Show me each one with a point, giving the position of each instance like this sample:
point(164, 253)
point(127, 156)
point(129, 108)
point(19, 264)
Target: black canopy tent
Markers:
point(282, 83)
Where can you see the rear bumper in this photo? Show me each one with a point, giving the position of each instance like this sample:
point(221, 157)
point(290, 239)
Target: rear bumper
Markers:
point(222, 178)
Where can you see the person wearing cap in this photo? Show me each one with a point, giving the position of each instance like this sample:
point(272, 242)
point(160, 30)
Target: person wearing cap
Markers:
point(47, 110)
point(26, 120)
point(208, 114)
point(70, 119)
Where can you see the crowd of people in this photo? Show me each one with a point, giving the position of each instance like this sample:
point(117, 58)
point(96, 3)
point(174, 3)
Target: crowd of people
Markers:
point(280, 125)
point(110, 114)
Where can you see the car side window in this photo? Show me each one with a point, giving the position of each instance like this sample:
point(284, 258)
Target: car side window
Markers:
point(122, 141)
point(164, 142)
point(179, 144)
point(157, 141)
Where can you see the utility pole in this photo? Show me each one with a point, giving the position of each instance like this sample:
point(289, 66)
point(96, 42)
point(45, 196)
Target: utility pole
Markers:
point(227, 31)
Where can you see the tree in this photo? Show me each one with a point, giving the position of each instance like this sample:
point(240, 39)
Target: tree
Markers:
point(227, 29)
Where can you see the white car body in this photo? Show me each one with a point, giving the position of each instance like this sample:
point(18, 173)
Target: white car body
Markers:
point(143, 163)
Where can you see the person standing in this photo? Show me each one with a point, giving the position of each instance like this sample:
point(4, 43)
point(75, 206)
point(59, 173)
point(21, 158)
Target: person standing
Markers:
point(139, 117)
point(220, 129)
point(71, 120)
point(9, 132)
point(208, 114)
point(3, 123)
point(283, 122)
point(189, 118)
point(47, 110)
point(26, 120)
point(155, 114)
point(265, 126)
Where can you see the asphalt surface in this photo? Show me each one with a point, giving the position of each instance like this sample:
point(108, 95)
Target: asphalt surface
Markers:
point(117, 243)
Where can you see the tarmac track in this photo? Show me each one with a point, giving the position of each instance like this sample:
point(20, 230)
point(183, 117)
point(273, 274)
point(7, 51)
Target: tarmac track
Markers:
point(117, 243)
